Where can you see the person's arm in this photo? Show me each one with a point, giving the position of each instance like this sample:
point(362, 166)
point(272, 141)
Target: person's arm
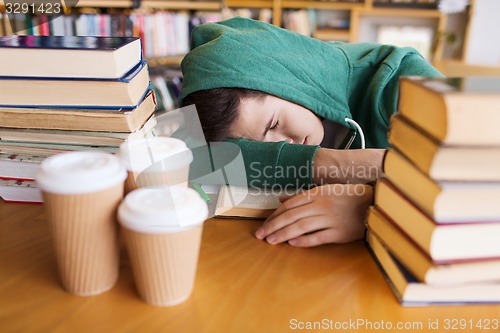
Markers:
point(277, 164)
point(291, 165)
point(333, 213)
point(357, 166)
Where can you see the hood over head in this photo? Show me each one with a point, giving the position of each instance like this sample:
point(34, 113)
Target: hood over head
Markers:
point(244, 53)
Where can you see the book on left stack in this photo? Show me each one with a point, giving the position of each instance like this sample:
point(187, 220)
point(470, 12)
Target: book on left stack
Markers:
point(81, 93)
point(435, 222)
point(125, 91)
point(19, 190)
point(68, 56)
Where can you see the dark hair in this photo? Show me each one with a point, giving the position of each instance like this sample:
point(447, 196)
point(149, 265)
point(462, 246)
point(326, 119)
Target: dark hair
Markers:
point(218, 109)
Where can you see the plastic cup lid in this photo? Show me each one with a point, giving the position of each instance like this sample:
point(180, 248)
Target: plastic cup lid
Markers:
point(160, 210)
point(154, 154)
point(80, 172)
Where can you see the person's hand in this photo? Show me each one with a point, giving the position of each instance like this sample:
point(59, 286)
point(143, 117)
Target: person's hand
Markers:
point(350, 166)
point(333, 213)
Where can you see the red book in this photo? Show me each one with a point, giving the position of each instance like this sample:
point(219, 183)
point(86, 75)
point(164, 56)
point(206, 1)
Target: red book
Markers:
point(44, 28)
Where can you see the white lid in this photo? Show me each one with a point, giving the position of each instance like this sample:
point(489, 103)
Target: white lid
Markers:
point(80, 172)
point(154, 154)
point(160, 210)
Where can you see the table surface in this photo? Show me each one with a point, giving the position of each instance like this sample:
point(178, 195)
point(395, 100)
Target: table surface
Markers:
point(242, 285)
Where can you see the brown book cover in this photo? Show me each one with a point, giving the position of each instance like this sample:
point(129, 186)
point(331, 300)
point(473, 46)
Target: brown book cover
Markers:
point(83, 119)
point(421, 265)
point(126, 92)
point(447, 241)
point(410, 292)
point(455, 111)
point(94, 138)
point(444, 201)
point(444, 162)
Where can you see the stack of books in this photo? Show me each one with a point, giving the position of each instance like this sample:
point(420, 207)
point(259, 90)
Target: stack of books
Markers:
point(65, 93)
point(434, 228)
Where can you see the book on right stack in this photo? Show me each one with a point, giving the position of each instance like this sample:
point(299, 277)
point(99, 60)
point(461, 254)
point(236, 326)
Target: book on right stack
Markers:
point(434, 228)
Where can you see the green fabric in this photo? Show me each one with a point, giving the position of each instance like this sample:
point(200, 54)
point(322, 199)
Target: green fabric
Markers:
point(334, 80)
point(270, 163)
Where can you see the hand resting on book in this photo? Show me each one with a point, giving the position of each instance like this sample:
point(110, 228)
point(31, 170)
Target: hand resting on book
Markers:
point(333, 213)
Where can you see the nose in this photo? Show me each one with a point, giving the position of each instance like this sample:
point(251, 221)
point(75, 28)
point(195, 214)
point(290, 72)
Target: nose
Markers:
point(277, 137)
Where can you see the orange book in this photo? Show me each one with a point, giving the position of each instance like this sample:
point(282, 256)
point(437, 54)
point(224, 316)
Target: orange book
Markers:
point(452, 240)
point(443, 201)
point(443, 162)
point(411, 292)
point(455, 111)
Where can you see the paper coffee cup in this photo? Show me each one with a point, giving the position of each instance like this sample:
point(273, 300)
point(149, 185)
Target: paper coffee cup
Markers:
point(153, 162)
point(162, 229)
point(81, 192)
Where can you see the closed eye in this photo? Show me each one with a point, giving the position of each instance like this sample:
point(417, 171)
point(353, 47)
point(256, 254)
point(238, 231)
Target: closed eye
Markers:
point(275, 126)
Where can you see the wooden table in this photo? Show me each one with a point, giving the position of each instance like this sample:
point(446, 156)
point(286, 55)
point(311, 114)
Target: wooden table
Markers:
point(242, 285)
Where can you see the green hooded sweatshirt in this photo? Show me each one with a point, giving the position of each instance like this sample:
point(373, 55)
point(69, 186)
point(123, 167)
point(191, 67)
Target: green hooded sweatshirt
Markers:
point(334, 80)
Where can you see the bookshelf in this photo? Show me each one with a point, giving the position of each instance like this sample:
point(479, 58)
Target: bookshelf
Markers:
point(164, 26)
point(105, 3)
point(340, 20)
point(479, 56)
point(182, 5)
point(153, 4)
point(366, 24)
point(351, 21)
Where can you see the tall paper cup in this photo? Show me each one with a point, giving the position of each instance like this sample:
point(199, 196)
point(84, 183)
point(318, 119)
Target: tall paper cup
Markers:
point(81, 193)
point(162, 230)
point(153, 162)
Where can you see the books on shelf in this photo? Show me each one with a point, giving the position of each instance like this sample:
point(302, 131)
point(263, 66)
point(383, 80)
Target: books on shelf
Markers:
point(69, 56)
point(126, 91)
point(332, 34)
point(415, 4)
point(445, 202)
point(164, 34)
point(419, 37)
point(20, 190)
point(242, 202)
point(454, 111)
point(441, 162)
point(166, 100)
point(300, 21)
point(81, 119)
point(411, 292)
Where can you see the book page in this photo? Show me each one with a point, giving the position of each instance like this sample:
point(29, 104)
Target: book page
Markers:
point(246, 202)
point(261, 199)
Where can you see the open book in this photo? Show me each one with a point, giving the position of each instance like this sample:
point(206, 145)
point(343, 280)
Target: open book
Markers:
point(243, 202)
